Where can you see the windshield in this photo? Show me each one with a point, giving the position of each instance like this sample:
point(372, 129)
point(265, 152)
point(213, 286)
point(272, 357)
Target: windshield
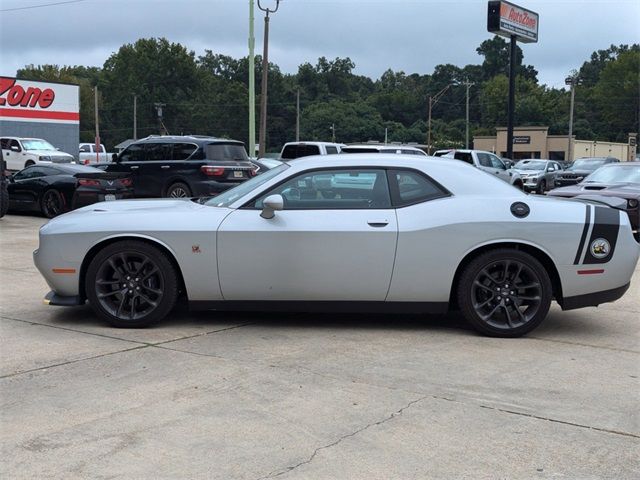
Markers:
point(587, 164)
point(530, 165)
point(228, 197)
point(617, 174)
point(37, 144)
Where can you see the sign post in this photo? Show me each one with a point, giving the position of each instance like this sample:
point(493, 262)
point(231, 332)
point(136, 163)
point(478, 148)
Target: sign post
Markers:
point(516, 23)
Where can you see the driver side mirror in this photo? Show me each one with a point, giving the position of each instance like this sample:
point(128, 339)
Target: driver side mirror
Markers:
point(15, 148)
point(270, 205)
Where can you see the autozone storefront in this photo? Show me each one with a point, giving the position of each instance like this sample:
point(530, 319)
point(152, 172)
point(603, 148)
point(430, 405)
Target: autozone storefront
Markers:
point(41, 110)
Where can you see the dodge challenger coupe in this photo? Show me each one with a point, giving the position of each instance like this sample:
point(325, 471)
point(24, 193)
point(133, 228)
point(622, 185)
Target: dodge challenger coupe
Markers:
point(353, 232)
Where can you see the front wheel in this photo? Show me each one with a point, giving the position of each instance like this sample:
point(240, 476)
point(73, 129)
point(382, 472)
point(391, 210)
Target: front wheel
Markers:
point(504, 293)
point(131, 284)
point(542, 187)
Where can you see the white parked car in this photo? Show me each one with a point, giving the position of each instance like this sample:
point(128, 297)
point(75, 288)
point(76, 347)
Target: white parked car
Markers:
point(89, 155)
point(368, 232)
point(19, 153)
point(485, 161)
point(293, 150)
point(383, 148)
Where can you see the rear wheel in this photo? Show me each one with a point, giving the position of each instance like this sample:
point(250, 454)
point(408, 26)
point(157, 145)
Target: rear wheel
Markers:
point(179, 190)
point(52, 203)
point(504, 293)
point(131, 284)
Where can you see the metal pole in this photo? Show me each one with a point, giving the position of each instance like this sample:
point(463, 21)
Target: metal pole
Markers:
point(570, 143)
point(333, 132)
point(466, 137)
point(135, 117)
point(252, 85)
point(429, 129)
point(386, 136)
point(298, 115)
point(512, 97)
point(95, 99)
point(263, 93)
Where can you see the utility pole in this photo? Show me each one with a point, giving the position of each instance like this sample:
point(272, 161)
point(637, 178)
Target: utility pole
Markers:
point(572, 80)
point(135, 116)
point(159, 110)
point(298, 115)
point(265, 70)
point(333, 132)
point(252, 85)
point(432, 101)
point(511, 104)
point(467, 84)
point(95, 101)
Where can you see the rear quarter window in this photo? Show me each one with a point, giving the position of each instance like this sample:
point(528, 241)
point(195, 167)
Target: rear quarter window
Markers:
point(297, 151)
point(464, 156)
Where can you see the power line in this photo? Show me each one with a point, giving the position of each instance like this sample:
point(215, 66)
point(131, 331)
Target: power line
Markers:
point(41, 6)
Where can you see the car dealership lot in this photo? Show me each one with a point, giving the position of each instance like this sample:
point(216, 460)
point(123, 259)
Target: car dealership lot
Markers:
point(244, 395)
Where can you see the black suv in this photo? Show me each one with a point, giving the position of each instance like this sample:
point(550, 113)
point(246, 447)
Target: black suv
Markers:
point(183, 166)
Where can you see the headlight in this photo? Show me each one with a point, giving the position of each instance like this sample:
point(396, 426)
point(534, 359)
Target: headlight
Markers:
point(44, 158)
point(633, 203)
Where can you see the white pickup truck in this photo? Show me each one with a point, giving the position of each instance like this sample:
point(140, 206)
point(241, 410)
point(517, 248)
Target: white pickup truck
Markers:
point(19, 152)
point(89, 155)
point(486, 161)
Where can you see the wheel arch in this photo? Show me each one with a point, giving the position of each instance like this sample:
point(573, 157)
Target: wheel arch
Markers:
point(141, 238)
point(532, 250)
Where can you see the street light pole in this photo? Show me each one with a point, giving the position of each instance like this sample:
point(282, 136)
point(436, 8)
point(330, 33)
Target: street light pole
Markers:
point(571, 80)
point(265, 69)
point(252, 85)
point(432, 101)
point(468, 84)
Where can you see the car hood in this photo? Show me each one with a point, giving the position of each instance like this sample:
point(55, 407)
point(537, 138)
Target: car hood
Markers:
point(582, 173)
point(526, 172)
point(624, 190)
point(50, 153)
point(139, 216)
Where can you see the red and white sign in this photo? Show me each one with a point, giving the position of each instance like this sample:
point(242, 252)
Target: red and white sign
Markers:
point(31, 101)
point(508, 20)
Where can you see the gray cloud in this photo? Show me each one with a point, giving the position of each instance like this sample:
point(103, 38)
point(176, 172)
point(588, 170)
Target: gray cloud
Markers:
point(408, 35)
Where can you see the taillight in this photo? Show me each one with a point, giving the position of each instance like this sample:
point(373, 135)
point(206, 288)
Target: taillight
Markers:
point(86, 182)
point(210, 171)
point(126, 182)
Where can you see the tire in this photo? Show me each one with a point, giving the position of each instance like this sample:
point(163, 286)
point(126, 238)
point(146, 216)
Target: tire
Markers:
point(4, 199)
point(28, 163)
point(519, 185)
point(542, 186)
point(52, 203)
point(489, 301)
point(131, 284)
point(178, 190)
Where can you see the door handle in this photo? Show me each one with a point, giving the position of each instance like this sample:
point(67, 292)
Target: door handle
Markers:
point(134, 167)
point(378, 223)
point(165, 166)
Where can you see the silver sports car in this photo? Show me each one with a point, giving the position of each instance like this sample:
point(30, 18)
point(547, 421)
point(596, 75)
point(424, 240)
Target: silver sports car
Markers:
point(353, 232)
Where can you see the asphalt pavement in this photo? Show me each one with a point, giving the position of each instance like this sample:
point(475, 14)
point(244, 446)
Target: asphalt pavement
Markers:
point(212, 395)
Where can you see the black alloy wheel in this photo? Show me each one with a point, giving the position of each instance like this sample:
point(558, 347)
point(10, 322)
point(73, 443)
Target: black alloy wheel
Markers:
point(505, 293)
point(52, 203)
point(131, 284)
point(179, 190)
point(542, 187)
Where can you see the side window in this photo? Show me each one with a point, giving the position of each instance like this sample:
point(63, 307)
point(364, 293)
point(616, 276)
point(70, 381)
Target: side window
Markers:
point(4, 143)
point(31, 172)
point(158, 151)
point(484, 160)
point(331, 150)
point(496, 162)
point(410, 187)
point(133, 153)
point(182, 151)
point(15, 145)
point(344, 189)
point(85, 149)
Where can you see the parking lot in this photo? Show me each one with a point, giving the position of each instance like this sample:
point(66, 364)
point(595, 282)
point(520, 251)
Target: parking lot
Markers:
point(252, 396)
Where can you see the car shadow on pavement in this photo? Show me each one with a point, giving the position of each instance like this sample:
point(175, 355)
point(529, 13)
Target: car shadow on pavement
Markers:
point(181, 317)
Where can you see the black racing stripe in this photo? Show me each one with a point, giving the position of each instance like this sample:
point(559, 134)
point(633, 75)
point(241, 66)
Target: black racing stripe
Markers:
point(583, 238)
point(606, 224)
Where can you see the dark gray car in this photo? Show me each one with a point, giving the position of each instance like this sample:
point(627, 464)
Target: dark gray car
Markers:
point(580, 169)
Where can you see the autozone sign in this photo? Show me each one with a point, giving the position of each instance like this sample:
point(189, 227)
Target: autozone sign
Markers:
point(509, 20)
point(31, 101)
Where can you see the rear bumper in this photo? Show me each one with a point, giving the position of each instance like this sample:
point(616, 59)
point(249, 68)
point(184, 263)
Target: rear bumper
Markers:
point(594, 299)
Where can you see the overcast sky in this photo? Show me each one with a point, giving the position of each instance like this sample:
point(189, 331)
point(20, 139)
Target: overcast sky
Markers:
point(408, 35)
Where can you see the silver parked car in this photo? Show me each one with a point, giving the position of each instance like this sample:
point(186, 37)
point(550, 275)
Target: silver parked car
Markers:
point(537, 175)
point(369, 232)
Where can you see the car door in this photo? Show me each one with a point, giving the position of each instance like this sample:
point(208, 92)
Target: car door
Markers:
point(333, 241)
point(26, 187)
point(498, 167)
point(13, 154)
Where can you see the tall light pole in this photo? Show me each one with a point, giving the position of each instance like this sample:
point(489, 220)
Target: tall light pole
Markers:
point(95, 101)
point(252, 85)
point(468, 84)
point(432, 101)
point(265, 69)
point(571, 80)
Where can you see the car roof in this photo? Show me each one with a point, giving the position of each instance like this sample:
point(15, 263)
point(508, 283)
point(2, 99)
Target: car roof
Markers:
point(197, 139)
point(74, 168)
